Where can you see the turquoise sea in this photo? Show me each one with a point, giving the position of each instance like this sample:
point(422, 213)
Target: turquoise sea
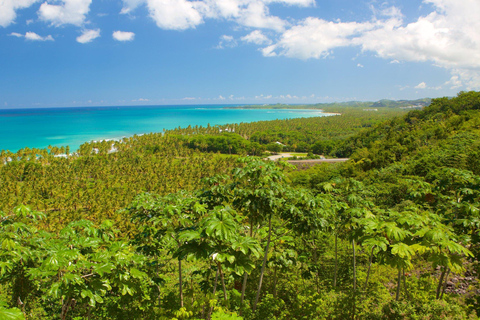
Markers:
point(39, 128)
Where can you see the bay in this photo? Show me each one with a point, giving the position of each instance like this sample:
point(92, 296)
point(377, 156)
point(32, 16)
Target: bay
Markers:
point(39, 128)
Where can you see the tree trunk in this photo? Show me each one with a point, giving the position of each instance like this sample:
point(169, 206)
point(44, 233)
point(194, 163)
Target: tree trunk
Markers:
point(445, 283)
point(215, 284)
point(69, 302)
point(214, 291)
point(354, 280)
point(275, 282)
point(315, 260)
point(369, 267)
point(440, 282)
point(354, 268)
point(335, 272)
point(264, 263)
point(180, 282)
point(223, 282)
point(245, 275)
point(398, 284)
point(193, 291)
point(405, 284)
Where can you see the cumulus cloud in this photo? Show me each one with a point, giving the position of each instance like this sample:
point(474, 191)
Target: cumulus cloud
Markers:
point(315, 38)
point(454, 83)
point(123, 36)
point(185, 14)
point(262, 96)
point(226, 41)
point(67, 12)
point(8, 10)
point(470, 78)
point(219, 8)
point(88, 35)
point(301, 3)
point(448, 37)
point(174, 14)
point(32, 36)
point(421, 85)
point(256, 15)
point(35, 37)
point(256, 37)
point(392, 12)
point(130, 5)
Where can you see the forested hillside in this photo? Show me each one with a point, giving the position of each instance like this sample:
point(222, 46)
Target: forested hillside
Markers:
point(162, 227)
point(97, 182)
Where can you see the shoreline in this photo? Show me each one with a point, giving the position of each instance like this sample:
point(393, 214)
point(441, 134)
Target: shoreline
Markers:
point(76, 130)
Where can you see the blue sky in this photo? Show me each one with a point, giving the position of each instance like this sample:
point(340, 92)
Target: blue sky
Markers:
point(63, 53)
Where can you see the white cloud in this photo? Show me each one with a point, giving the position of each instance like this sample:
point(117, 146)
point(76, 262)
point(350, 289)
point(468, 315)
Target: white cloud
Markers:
point(454, 82)
point(219, 8)
point(359, 65)
point(220, 97)
point(256, 15)
point(447, 37)
point(185, 14)
point(256, 37)
point(315, 38)
point(123, 36)
point(68, 12)
point(174, 14)
point(8, 10)
point(470, 78)
point(301, 3)
point(392, 12)
point(265, 97)
point(226, 41)
point(35, 37)
point(269, 51)
point(189, 98)
point(88, 35)
point(130, 5)
point(421, 85)
point(32, 36)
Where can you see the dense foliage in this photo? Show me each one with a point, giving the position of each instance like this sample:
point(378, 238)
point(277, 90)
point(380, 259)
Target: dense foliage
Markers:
point(391, 234)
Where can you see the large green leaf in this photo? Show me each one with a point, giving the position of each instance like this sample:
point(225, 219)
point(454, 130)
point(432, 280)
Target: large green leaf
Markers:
point(402, 250)
point(11, 314)
point(103, 268)
point(189, 235)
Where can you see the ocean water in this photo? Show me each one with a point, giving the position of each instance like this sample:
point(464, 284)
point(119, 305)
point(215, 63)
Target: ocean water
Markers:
point(39, 128)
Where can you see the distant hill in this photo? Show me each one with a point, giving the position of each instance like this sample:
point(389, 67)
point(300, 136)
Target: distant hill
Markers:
point(419, 103)
point(407, 104)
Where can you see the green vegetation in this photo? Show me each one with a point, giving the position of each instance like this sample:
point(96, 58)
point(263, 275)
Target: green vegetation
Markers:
point(164, 228)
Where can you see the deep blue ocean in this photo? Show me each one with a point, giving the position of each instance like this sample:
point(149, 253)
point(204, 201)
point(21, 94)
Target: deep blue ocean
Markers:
point(39, 128)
